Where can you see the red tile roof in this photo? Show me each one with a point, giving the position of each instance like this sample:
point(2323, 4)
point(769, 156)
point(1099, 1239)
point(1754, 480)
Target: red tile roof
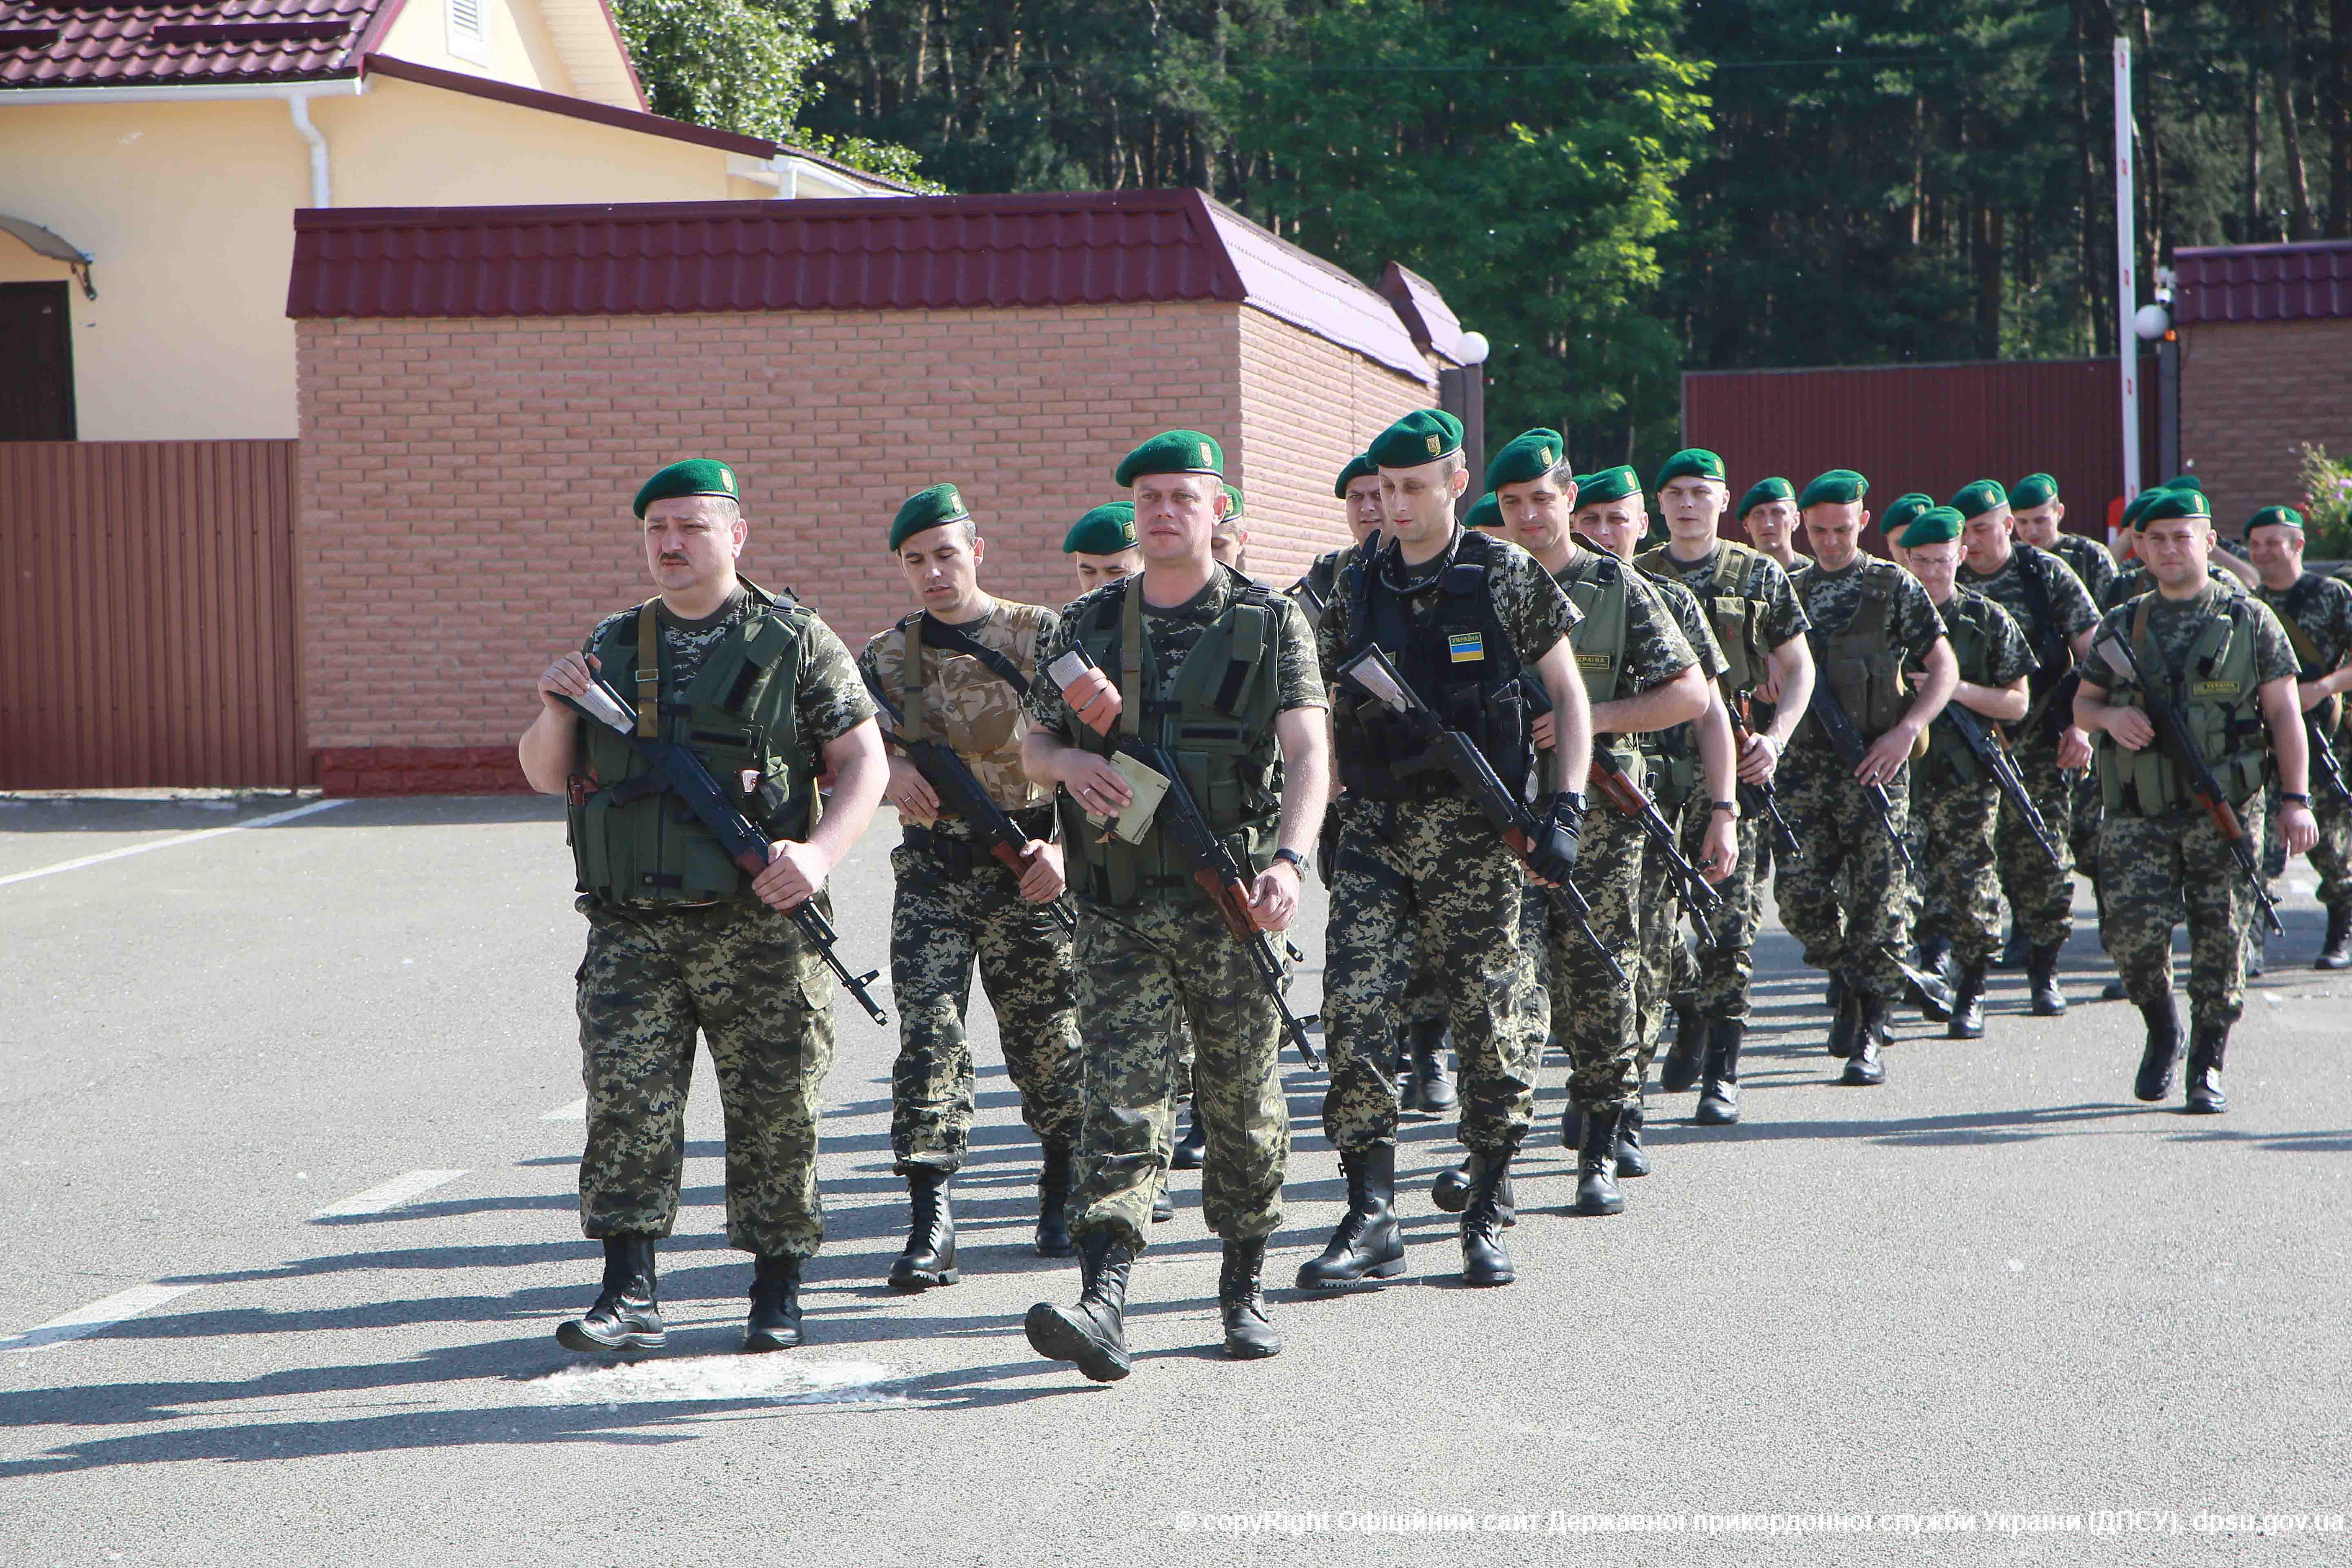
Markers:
point(67, 45)
point(2311, 281)
point(881, 254)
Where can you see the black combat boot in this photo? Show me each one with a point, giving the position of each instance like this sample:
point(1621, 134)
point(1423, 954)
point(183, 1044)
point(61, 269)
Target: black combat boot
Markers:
point(1834, 996)
point(775, 1321)
point(1092, 1335)
point(1163, 1206)
point(1241, 1300)
point(2012, 953)
point(1936, 956)
point(930, 1258)
point(1968, 1004)
point(2335, 952)
point(2115, 991)
point(1484, 1259)
point(626, 1317)
point(2041, 975)
point(1718, 1093)
point(1451, 1191)
point(1193, 1146)
point(1053, 1203)
point(2208, 1043)
point(1632, 1159)
point(1867, 1067)
point(1680, 1069)
point(1847, 1024)
point(1432, 1085)
point(2163, 1050)
point(1367, 1245)
point(1596, 1164)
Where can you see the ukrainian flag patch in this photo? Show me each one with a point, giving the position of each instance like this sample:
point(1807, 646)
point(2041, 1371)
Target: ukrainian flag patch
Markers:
point(1465, 647)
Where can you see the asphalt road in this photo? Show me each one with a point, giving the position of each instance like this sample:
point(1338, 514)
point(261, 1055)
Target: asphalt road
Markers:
point(1996, 1288)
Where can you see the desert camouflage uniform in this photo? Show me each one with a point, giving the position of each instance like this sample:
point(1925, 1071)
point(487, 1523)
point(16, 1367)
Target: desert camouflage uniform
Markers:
point(1147, 972)
point(1857, 928)
point(742, 973)
point(2159, 867)
point(2325, 622)
point(956, 903)
point(1427, 886)
point(1955, 815)
point(1665, 957)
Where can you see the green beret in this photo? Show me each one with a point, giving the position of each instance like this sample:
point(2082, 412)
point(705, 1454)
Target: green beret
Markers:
point(2032, 490)
point(1485, 513)
point(2182, 482)
point(1837, 487)
point(1172, 452)
point(1690, 463)
point(1106, 531)
point(1232, 503)
point(1609, 484)
point(2169, 503)
point(1774, 489)
point(1529, 455)
point(1932, 526)
point(1902, 512)
point(1422, 436)
point(1973, 500)
point(1359, 466)
point(927, 508)
point(2275, 517)
point(694, 477)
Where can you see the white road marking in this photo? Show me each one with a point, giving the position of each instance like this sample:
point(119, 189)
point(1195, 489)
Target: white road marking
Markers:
point(98, 1315)
point(575, 1111)
point(390, 1196)
point(269, 821)
point(782, 1379)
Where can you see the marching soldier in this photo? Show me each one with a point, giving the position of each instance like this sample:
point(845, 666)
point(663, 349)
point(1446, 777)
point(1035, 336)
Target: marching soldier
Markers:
point(681, 939)
point(1870, 619)
point(1101, 545)
point(2133, 580)
point(1358, 490)
point(954, 673)
point(1220, 673)
point(2316, 614)
point(2040, 516)
point(1954, 801)
point(1769, 512)
point(2226, 668)
point(1900, 514)
point(1229, 544)
point(2054, 610)
point(1761, 631)
point(1425, 876)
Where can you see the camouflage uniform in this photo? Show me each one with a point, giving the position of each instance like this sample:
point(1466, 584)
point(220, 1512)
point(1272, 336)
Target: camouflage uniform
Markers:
point(1147, 970)
point(1954, 803)
point(2051, 606)
point(738, 970)
point(1829, 811)
point(1681, 796)
point(2090, 560)
point(2132, 581)
point(956, 903)
point(2317, 611)
point(1717, 982)
point(1428, 886)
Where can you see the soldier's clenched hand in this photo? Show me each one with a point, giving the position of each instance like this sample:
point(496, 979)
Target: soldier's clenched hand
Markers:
point(795, 871)
point(2298, 829)
point(2130, 729)
point(2073, 748)
point(1759, 759)
point(1094, 783)
point(567, 676)
point(1042, 882)
point(1273, 897)
point(1887, 755)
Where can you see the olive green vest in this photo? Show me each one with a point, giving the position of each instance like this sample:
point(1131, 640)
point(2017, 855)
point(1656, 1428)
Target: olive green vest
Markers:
point(1725, 596)
point(2217, 694)
point(1595, 583)
point(738, 715)
point(1216, 724)
point(1947, 755)
point(1860, 668)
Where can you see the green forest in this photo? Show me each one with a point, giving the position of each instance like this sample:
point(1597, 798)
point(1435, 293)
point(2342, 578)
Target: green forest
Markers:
point(1610, 190)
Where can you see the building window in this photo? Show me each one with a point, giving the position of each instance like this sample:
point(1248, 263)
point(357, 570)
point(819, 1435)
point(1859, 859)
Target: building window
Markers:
point(467, 40)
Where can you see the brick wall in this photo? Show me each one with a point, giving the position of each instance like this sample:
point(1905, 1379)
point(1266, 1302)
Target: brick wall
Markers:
point(2251, 394)
point(465, 483)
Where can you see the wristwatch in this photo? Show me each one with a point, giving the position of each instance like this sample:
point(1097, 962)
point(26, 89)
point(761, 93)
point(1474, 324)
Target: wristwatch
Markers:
point(2294, 799)
point(1730, 805)
point(1288, 853)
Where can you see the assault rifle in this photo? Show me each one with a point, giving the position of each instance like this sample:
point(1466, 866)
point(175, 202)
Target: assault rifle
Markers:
point(2327, 771)
point(682, 773)
point(1989, 750)
point(1372, 673)
point(959, 792)
point(1627, 795)
point(1847, 743)
point(2172, 734)
point(1756, 800)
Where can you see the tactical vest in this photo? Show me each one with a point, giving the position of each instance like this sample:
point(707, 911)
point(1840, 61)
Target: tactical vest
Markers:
point(2299, 600)
point(1459, 659)
point(1860, 668)
point(2217, 694)
point(1216, 724)
point(1596, 585)
point(1729, 597)
point(1672, 753)
point(633, 843)
point(1949, 756)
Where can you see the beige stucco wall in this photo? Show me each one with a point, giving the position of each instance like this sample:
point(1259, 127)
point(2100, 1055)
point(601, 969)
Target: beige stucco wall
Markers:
point(521, 49)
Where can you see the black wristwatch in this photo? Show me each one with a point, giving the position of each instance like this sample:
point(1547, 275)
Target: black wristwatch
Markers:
point(2294, 799)
point(1730, 805)
point(1288, 853)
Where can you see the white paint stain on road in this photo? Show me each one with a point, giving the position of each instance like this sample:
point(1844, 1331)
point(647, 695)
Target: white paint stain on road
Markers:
point(780, 1380)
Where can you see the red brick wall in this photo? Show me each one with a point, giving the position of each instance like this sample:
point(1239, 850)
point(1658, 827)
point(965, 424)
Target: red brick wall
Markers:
point(465, 483)
point(2251, 394)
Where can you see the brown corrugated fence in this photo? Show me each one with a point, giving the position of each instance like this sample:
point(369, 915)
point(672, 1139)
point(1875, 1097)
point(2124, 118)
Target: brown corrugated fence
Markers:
point(148, 632)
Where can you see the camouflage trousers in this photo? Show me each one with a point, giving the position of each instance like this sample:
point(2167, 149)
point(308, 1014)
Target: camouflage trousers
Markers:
point(1714, 981)
point(744, 976)
point(2082, 833)
point(1424, 999)
point(1847, 899)
point(1597, 1017)
point(1426, 887)
point(2157, 869)
point(942, 923)
point(1146, 972)
point(1960, 887)
point(2040, 891)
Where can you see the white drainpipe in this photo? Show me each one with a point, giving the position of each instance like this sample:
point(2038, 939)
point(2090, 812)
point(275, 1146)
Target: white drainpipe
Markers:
point(322, 190)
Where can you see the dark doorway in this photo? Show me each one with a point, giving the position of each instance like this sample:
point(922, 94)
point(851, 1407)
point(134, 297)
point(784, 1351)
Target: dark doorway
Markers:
point(37, 400)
